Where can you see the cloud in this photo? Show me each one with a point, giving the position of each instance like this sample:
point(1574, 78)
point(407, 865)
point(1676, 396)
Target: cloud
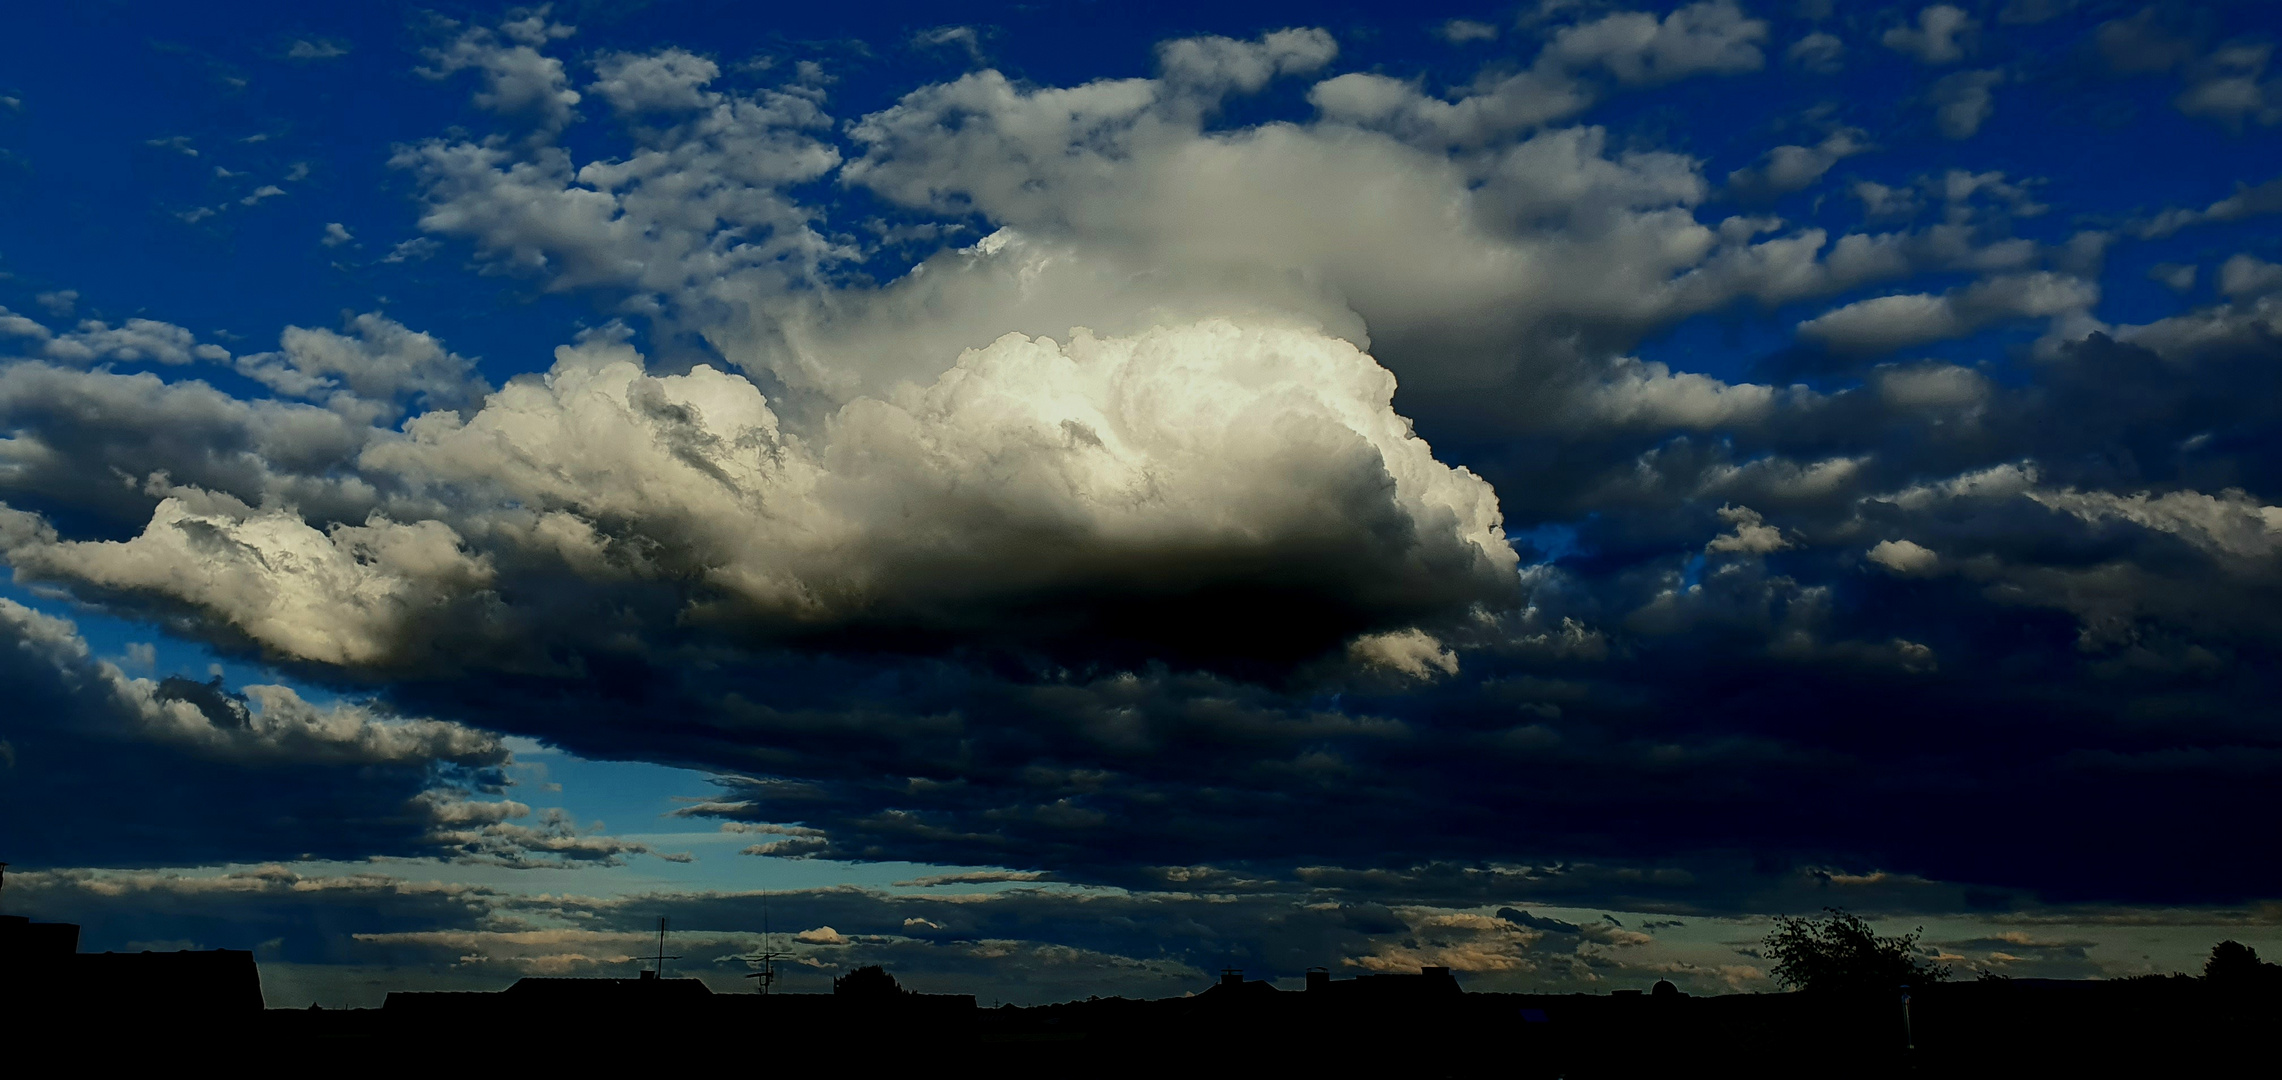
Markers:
point(1818, 52)
point(1887, 323)
point(2248, 200)
point(336, 234)
point(2177, 277)
point(1413, 653)
point(137, 340)
point(668, 81)
point(1634, 48)
point(210, 774)
point(1218, 65)
point(1713, 36)
point(967, 38)
point(1464, 31)
point(315, 49)
point(926, 572)
point(384, 363)
point(1962, 102)
point(1903, 557)
point(2225, 86)
point(518, 80)
point(1792, 168)
point(350, 595)
point(1752, 536)
point(1942, 35)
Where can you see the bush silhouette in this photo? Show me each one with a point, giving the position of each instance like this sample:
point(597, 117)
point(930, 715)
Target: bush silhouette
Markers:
point(1843, 954)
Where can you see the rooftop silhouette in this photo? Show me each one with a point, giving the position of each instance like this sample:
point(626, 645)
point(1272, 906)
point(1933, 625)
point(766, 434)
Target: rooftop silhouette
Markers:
point(1422, 1022)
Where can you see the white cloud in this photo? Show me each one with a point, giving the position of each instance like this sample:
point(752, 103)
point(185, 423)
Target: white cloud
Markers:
point(336, 234)
point(1463, 31)
point(694, 206)
point(1792, 168)
point(1218, 65)
point(1650, 394)
point(2177, 277)
point(1819, 52)
point(2247, 277)
point(1896, 322)
point(1961, 102)
point(1752, 535)
point(671, 80)
point(1904, 557)
point(344, 596)
point(1635, 48)
point(1936, 386)
point(14, 325)
point(383, 363)
point(272, 724)
point(2247, 201)
point(2226, 86)
point(1209, 437)
point(1940, 36)
point(136, 340)
point(2231, 523)
point(1711, 37)
point(1413, 653)
point(518, 80)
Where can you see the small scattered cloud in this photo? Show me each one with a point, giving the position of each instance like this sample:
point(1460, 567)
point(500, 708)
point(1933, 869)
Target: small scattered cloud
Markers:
point(1941, 35)
point(417, 249)
point(2177, 277)
point(1466, 31)
point(1964, 101)
point(1904, 557)
point(1819, 52)
point(965, 38)
point(316, 49)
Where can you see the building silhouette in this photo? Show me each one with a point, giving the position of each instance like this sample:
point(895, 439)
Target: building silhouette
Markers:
point(44, 971)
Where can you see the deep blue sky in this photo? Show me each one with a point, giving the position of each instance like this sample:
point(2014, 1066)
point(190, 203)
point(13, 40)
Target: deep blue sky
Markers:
point(458, 456)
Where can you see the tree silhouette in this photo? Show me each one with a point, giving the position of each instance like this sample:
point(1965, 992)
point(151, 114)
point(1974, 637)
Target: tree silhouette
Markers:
point(2236, 966)
point(1843, 954)
point(868, 981)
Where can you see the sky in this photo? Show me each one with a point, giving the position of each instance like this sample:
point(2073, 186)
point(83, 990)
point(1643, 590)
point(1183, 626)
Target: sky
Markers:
point(1062, 499)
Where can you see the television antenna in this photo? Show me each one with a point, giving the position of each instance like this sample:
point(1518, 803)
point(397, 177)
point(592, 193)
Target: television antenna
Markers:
point(767, 957)
point(661, 956)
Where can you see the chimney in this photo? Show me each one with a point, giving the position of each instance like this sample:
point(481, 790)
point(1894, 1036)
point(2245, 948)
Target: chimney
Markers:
point(1319, 978)
point(1232, 977)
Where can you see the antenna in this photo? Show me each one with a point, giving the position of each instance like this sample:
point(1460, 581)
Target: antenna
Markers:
point(661, 956)
point(767, 957)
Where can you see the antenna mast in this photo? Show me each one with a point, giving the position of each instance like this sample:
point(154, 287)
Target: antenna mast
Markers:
point(767, 957)
point(661, 957)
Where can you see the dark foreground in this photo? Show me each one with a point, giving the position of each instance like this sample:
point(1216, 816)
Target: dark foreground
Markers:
point(2162, 1027)
point(179, 1008)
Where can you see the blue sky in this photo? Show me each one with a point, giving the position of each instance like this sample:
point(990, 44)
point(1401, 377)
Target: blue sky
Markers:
point(1068, 498)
